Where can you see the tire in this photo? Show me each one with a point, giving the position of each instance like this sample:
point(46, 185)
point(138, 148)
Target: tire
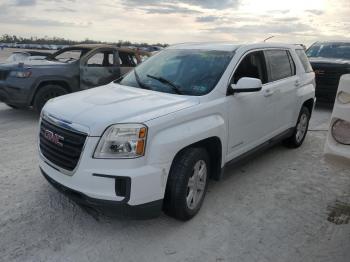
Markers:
point(45, 93)
point(189, 172)
point(16, 107)
point(300, 130)
point(12, 106)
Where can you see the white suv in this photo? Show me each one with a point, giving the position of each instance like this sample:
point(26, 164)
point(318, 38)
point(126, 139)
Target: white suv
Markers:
point(151, 140)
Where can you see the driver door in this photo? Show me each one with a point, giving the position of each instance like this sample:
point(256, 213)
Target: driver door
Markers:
point(99, 68)
point(251, 115)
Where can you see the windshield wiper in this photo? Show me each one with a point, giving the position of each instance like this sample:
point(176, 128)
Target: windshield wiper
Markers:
point(169, 83)
point(142, 85)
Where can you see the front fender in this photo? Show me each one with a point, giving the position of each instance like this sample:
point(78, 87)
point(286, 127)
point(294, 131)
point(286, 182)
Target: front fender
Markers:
point(73, 83)
point(165, 143)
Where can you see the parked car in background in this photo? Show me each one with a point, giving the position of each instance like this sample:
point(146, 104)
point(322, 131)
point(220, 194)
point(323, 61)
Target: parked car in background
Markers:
point(152, 139)
point(33, 82)
point(329, 60)
point(22, 56)
point(338, 140)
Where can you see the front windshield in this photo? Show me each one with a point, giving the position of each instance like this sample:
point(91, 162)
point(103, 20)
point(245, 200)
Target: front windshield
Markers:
point(186, 72)
point(329, 50)
point(68, 56)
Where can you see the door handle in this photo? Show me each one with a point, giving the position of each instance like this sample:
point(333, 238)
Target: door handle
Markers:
point(268, 92)
point(297, 83)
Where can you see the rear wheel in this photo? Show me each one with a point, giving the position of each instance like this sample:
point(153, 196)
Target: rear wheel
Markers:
point(16, 107)
point(45, 94)
point(300, 129)
point(187, 183)
point(12, 106)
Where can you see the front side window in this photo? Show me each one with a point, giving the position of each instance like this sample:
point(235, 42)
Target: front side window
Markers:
point(186, 72)
point(280, 64)
point(329, 50)
point(253, 65)
point(69, 55)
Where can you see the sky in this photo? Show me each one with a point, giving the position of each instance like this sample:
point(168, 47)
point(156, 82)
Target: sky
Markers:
point(171, 21)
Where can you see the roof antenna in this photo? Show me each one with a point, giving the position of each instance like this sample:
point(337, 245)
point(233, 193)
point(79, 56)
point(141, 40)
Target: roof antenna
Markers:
point(268, 38)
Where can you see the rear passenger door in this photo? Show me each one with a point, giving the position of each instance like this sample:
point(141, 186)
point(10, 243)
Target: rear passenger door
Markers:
point(282, 86)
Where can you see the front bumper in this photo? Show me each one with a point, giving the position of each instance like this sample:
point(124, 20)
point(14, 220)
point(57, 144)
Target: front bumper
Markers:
point(14, 94)
point(109, 207)
point(96, 180)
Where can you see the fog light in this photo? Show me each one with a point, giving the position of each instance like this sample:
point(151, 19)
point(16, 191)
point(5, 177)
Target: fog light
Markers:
point(122, 186)
point(341, 131)
point(344, 97)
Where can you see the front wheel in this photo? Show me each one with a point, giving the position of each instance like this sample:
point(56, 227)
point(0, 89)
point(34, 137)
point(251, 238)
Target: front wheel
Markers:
point(187, 183)
point(300, 129)
point(45, 94)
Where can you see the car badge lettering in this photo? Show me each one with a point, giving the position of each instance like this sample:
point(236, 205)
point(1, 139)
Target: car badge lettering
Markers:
point(53, 137)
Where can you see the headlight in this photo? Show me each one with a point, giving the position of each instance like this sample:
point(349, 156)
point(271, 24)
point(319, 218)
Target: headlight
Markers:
point(122, 141)
point(341, 131)
point(344, 97)
point(21, 74)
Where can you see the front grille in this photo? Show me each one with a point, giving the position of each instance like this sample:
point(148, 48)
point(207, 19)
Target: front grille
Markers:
point(61, 146)
point(4, 74)
point(327, 76)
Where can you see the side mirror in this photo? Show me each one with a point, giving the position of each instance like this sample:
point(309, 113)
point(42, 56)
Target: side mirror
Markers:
point(246, 85)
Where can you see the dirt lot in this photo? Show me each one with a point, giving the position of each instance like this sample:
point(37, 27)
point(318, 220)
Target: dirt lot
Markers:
point(273, 208)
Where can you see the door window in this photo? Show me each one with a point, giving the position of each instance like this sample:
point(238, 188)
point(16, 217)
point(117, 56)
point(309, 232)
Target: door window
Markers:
point(253, 65)
point(101, 59)
point(280, 64)
point(127, 59)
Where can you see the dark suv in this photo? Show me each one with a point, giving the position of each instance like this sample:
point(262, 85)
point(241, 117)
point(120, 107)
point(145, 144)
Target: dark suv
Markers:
point(330, 60)
point(33, 83)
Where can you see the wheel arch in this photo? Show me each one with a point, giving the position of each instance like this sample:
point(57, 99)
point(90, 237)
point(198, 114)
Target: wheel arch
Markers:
point(309, 104)
point(43, 83)
point(213, 146)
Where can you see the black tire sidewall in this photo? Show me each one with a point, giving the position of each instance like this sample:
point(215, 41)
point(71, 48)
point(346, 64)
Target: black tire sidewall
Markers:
point(303, 110)
point(179, 175)
point(40, 98)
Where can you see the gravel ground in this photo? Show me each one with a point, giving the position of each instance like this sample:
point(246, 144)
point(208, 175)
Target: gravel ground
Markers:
point(273, 208)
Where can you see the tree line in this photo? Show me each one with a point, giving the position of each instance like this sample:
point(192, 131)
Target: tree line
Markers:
point(6, 38)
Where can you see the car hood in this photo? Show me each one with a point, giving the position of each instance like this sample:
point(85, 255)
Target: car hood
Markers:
point(324, 60)
point(31, 63)
point(96, 109)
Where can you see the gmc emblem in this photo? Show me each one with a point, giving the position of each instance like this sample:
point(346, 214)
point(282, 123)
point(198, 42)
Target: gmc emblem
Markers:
point(53, 138)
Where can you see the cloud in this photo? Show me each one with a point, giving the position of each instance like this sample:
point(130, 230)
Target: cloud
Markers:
point(270, 28)
point(60, 9)
point(286, 19)
point(169, 9)
point(207, 4)
point(25, 2)
point(284, 11)
point(314, 11)
point(207, 19)
point(40, 22)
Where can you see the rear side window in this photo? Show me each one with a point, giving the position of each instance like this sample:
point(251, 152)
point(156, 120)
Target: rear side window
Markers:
point(280, 64)
point(304, 60)
point(127, 59)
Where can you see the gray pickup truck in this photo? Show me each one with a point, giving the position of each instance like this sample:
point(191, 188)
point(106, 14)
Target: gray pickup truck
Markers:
point(33, 83)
